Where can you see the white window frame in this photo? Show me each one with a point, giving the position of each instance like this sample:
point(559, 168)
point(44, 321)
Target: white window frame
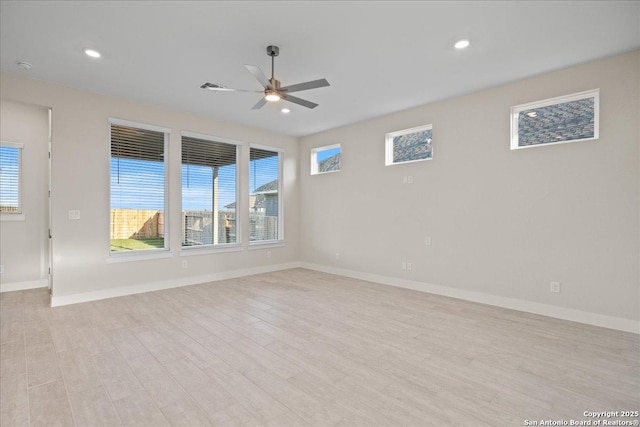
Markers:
point(280, 240)
point(225, 247)
point(143, 254)
point(314, 158)
point(388, 152)
point(19, 214)
point(516, 110)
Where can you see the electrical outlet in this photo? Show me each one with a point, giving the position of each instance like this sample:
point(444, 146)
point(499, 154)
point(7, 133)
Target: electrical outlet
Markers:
point(409, 266)
point(337, 255)
point(74, 214)
point(427, 241)
point(555, 287)
point(404, 179)
point(185, 264)
point(410, 179)
point(404, 265)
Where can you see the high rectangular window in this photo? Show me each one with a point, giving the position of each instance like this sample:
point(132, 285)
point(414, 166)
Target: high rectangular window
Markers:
point(10, 177)
point(557, 120)
point(138, 187)
point(409, 145)
point(265, 195)
point(326, 159)
point(209, 191)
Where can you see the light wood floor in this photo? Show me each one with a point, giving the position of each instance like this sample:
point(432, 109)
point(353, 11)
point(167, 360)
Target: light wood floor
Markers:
point(299, 348)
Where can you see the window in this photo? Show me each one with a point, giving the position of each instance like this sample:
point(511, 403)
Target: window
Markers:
point(209, 191)
point(325, 159)
point(554, 121)
point(265, 199)
point(138, 187)
point(409, 145)
point(10, 177)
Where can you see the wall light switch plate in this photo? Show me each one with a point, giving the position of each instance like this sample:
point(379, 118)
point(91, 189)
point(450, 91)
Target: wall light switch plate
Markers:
point(427, 241)
point(74, 214)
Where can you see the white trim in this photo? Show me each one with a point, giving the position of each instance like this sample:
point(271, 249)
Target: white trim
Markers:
point(57, 301)
point(602, 320)
point(210, 249)
point(266, 147)
point(21, 286)
point(266, 244)
point(138, 255)
point(388, 144)
point(12, 144)
point(211, 138)
point(314, 158)
point(12, 216)
point(517, 109)
point(138, 125)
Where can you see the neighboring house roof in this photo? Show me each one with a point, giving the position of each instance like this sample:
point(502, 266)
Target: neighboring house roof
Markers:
point(269, 187)
point(565, 122)
point(412, 146)
point(253, 203)
point(330, 163)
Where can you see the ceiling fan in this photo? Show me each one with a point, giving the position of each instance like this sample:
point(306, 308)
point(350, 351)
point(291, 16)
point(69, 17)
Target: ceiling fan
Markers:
point(273, 91)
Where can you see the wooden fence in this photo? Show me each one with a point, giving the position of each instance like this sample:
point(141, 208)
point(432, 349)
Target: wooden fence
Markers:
point(136, 223)
point(198, 227)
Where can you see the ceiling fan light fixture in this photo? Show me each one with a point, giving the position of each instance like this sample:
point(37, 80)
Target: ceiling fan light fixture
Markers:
point(272, 96)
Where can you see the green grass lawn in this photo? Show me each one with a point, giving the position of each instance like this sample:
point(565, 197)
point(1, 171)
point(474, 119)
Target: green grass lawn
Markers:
point(135, 244)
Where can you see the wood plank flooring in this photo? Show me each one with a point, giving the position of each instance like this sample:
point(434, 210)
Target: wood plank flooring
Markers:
point(302, 348)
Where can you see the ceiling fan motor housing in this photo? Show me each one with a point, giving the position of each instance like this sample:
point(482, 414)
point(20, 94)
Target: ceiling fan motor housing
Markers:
point(273, 50)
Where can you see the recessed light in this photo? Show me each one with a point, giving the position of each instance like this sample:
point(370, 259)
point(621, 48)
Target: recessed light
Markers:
point(461, 44)
point(92, 53)
point(285, 111)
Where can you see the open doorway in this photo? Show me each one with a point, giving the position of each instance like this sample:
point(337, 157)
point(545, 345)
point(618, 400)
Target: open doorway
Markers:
point(25, 247)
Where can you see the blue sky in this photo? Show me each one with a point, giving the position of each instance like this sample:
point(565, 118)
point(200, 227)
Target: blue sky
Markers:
point(139, 184)
point(327, 153)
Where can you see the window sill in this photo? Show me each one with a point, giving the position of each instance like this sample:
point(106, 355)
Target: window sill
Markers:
point(209, 249)
point(266, 245)
point(12, 217)
point(138, 256)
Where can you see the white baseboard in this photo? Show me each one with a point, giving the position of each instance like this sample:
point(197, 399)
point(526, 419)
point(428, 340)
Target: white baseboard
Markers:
point(57, 301)
point(611, 322)
point(21, 286)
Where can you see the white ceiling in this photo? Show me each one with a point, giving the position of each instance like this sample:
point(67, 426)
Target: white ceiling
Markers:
point(380, 57)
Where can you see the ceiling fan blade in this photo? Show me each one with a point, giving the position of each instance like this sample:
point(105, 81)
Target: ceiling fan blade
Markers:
point(299, 101)
point(259, 104)
point(305, 86)
point(215, 87)
point(258, 74)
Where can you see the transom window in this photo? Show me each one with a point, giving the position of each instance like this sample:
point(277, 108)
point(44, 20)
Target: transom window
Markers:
point(558, 120)
point(326, 159)
point(409, 145)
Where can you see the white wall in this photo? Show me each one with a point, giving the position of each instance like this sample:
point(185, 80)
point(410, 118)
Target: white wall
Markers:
point(503, 223)
point(80, 181)
point(24, 246)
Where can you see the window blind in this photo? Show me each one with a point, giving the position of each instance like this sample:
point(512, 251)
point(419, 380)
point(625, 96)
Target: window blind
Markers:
point(137, 189)
point(209, 193)
point(10, 161)
point(265, 198)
